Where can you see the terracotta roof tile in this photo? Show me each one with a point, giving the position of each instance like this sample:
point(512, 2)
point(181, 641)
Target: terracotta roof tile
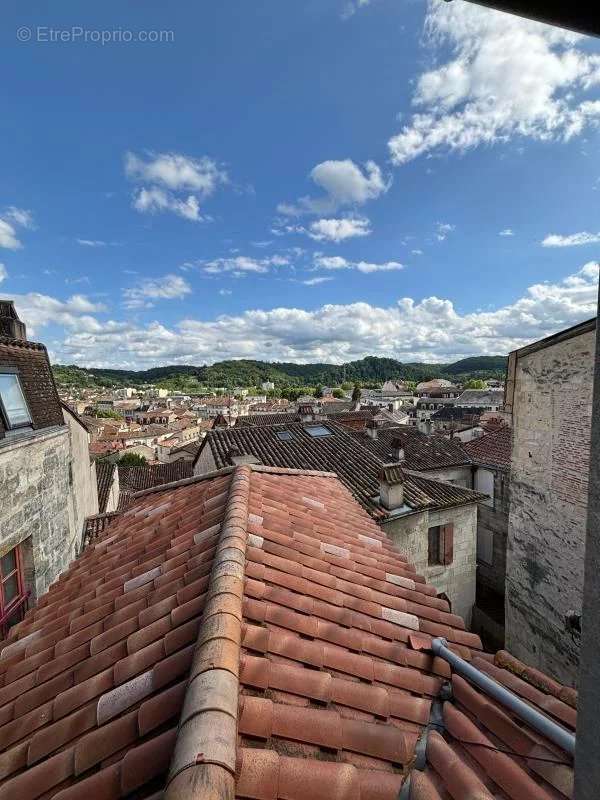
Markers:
point(269, 601)
point(492, 449)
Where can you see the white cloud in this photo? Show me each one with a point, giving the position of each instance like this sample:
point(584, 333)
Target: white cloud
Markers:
point(169, 287)
point(176, 172)
point(240, 265)
point(506, 77)
point(91, 243)
point(173, 182)
point(20, 216)
point(316, 281)
point(344, 184)
point(430, 329)
point(417, 252)
point(352, 7)
point(225, 292)
point(336, 230)
point(3, 273)
point(573, 240)
point(442, 230)
point(337, 262)
point(507, 232)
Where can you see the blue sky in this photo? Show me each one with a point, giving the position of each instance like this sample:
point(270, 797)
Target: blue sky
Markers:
point(295, 181)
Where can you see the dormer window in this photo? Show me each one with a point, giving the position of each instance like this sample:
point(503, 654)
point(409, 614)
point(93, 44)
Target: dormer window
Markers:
point(13, 407)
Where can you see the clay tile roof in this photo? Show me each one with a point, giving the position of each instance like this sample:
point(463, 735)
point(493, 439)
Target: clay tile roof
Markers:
point(344, 453)
point(421, 452)
point(256, 634)
point(105, 471)
point(276, 418)
point(493, 449)
point(134, 479)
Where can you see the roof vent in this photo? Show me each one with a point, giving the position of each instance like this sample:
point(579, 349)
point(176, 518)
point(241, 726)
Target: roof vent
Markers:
point(10, 324)
point(391, 486)
point(235, 457)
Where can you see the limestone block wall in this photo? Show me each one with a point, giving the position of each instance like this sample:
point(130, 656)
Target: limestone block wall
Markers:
point(35, 502)
point(552, 405)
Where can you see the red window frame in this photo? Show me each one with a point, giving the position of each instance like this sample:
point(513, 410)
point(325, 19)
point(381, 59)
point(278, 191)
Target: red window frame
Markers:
point(13, 611)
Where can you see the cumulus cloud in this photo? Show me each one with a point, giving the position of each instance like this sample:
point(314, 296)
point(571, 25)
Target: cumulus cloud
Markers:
point(169, 287)
point(173, 182)
point(505, 77)
point(430, 329)
point(506, 232)
point(11, 219)
point(336, 230)
point(3, 273)
point(344, 184)
point(337, 262)
point(573, 240)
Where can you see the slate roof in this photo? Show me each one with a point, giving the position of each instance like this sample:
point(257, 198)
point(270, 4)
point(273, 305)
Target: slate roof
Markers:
point(266, 419)
point(104, 478)
point(493, 448)
point(343, 453)
point(286, 416)
point(255, 634)
point(481, 397)
point(421, 452)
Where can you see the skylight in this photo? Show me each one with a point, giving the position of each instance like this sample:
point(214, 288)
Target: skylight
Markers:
point(285, 436)
point(318, 430)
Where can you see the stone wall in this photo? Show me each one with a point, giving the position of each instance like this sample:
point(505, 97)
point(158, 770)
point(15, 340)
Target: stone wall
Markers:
point(460, 476)
point(84, 487)
point(206, 462)
point(35, 502)
point(456, 580)
point(550, 391)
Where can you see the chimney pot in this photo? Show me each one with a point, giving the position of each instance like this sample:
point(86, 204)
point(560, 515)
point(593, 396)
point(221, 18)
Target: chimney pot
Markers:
point(398, 449)
point(371, 428)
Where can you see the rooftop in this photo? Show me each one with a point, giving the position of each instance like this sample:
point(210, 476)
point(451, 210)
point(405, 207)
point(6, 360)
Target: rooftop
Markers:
point(105, 471)
point(493, 449)
point(254, 633)
point(341, 451)
point(421, 452)
point(134, 479)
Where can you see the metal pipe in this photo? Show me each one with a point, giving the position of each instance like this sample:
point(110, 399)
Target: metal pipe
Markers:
point(538, 721)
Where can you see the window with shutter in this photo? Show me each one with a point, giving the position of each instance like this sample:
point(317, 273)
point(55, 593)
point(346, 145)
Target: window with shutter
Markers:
point(448, 543)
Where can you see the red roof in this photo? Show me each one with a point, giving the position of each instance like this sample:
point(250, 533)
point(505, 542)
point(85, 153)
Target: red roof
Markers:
point(493, 449)
point(256, 633)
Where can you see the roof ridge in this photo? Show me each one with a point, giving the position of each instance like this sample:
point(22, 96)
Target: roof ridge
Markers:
point(206, 744)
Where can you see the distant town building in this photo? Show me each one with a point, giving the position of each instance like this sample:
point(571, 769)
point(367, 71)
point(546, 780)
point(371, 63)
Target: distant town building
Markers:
point(549, 392)
point(267, 386)
point(484, 399)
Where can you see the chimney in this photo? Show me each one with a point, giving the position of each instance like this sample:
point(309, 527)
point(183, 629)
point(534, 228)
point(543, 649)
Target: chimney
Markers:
point(397, 450)
point(10, 324)
point(391, 486)
point(235, 457)
point(371, 428)
point(307, 413)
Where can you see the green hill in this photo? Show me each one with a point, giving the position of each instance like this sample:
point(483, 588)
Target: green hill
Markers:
point(246, 372)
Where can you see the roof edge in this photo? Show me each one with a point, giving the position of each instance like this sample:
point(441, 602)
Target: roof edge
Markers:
point(206, 744)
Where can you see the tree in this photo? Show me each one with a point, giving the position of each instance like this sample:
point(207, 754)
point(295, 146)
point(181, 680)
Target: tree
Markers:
point(337, 393)
point(346, 386)
point(356, 393)
point(107, 414)
point(475, 384)
point(133, 460)
point(318, 391)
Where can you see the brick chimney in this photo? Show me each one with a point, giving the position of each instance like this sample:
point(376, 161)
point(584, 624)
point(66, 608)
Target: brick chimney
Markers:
point(397, 449)
point(391, 486)
point(10, 324)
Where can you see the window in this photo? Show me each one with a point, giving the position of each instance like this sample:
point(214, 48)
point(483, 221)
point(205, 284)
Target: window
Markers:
point(440, 544)
point(12, 590)
point(285, 436)
point(12, 402)
point(318, 430)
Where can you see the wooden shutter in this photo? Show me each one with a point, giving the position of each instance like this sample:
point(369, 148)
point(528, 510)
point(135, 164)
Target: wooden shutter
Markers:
point(448, 543)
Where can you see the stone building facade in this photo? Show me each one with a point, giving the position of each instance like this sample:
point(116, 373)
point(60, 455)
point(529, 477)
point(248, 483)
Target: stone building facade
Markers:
point(549, 392)
point(47, 486)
